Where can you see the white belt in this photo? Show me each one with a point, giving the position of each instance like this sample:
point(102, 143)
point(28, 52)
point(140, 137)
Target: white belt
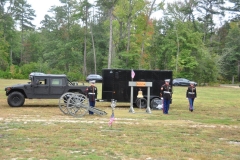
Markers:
point(191, 93)
point(91, 93)
point(166, 92)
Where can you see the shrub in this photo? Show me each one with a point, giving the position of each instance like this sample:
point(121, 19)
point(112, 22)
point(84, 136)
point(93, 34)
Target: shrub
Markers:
point(5, 75)
point(73, 76)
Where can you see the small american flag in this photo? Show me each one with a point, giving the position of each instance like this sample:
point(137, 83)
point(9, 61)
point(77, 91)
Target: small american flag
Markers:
point(132, 74)
point(111, 119)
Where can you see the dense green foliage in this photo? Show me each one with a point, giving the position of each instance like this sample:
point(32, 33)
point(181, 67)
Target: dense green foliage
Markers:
point(79, 38)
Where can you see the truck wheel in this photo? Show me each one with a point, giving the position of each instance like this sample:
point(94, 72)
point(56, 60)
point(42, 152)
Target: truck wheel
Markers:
point(141, 103)
point(16, 99)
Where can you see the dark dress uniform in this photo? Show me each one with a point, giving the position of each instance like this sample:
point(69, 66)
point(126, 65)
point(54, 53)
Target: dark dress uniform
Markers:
point(92, 95)
point(191, 94)
point(166, 94)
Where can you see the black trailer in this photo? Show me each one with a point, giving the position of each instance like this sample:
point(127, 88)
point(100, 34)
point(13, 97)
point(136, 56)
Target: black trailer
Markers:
point(115, 85)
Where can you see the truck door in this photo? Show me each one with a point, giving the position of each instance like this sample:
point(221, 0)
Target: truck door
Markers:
point(57, 86)
point(41, 86)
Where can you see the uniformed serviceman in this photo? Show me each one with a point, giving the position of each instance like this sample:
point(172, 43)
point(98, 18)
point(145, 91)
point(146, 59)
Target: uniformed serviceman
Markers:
point(191, 94)
point(92, 94)
point(166, 94)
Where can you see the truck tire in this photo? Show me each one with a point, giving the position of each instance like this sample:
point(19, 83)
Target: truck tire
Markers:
point(16, 99)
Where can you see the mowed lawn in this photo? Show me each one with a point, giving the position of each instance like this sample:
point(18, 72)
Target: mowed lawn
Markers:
point(39, 130)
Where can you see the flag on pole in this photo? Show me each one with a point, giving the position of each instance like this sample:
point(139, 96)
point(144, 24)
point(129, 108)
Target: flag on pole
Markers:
point(132, 74)
point(112, 118)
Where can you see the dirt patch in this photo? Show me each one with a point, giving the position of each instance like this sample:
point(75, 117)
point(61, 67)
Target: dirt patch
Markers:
point(105, 120)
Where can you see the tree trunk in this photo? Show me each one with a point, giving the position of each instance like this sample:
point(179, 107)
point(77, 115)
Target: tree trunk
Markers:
point(232, 79)
point(94, 53)
point(129, 28)
point(110, 39)
point(239, 72)
point(177, 50)
point(21, 56)
point(85, 46)
point(11, 53)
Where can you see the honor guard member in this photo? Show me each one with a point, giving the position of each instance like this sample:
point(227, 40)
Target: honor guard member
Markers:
point(92, 94)
point(191, 94)
point(166, 94)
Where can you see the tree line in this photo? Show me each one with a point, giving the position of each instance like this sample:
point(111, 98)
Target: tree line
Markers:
point(78, 38)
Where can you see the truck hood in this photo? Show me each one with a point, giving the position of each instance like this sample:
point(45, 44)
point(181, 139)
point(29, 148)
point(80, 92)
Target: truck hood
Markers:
point(16, 86)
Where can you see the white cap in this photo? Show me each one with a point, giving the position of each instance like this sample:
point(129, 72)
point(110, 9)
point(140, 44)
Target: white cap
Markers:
point(92, 82)
point(191, 82)
point(167, 80)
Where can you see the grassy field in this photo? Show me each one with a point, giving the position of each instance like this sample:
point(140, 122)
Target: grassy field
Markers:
point(39, 130)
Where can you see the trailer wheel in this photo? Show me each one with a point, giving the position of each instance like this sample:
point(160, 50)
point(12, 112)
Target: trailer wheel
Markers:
point(77, 105)
point(156, 104)
point(141, 103)
point(63, 102)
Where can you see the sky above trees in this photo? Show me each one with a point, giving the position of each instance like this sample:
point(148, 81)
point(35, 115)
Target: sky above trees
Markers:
point(41, 9)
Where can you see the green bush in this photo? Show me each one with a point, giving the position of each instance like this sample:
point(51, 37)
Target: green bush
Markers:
point(5, 75)
point(55, 71)
point(73, 76)
point(26, 69)
point(18, 76)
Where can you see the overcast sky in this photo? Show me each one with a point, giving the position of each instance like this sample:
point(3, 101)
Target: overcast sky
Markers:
point(42, 6)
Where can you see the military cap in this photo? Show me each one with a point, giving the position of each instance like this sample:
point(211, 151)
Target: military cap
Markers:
point(92, 82)
point(191, 82)
point(167, 80)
